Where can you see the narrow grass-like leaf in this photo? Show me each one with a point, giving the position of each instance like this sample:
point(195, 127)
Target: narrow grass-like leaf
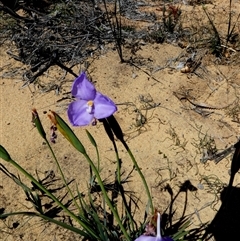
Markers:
point(92, 140)
point(100, 225)
point(86, 215)
point(182, 231)
point(108, 201)
point(150, 203)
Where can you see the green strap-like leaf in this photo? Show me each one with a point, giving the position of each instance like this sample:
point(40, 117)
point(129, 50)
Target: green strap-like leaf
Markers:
point(4, 154)
point(63, 127)
point(37, 122)
point(91, 139)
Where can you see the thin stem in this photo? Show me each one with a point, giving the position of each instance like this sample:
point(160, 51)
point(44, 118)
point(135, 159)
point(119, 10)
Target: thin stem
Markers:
point(62, 175)
point(120, 187)
point(109, 128)
point(229, 22)
point(119, 29)
point(140, 173)
point(98, 159)
point(158, 226)
point(115, 28)
point(108, 201)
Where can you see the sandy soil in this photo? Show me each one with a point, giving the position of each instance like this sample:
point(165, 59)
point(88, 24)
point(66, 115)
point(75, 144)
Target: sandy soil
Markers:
point(176, 137)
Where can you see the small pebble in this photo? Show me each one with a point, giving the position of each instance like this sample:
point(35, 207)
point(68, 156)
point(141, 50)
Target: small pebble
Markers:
point(200, 186)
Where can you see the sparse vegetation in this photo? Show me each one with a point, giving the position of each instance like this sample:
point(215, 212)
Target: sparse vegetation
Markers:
point(70, 36)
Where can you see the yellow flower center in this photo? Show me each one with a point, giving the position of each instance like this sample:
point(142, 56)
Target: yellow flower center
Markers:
point(90, 105)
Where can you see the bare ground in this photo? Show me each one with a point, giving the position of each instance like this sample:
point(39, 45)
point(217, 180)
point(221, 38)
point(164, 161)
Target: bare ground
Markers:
point(174, 123)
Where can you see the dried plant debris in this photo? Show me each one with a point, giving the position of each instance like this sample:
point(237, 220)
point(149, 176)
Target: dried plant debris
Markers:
point(132, 10)
point(63, 32)
point(213, 185)
point(169, 28)
point(197, 2)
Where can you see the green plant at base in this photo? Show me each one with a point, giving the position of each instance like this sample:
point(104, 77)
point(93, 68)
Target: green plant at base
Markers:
point(93, 221)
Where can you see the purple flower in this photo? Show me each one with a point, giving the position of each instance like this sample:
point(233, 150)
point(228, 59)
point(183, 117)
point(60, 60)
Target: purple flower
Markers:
point(153, 238)
point(90, 104)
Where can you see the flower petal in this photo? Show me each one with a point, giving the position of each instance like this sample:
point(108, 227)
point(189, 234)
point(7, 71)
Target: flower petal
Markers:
point(167, 239)
point(83, 89)
point(77, 114)
point(147, 238)
point(104, 107)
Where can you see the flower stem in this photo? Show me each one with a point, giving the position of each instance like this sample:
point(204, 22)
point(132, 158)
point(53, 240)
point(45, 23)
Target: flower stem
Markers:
point(108, 201)
point(158, 226)
point(62, 175)
point(141, 175)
